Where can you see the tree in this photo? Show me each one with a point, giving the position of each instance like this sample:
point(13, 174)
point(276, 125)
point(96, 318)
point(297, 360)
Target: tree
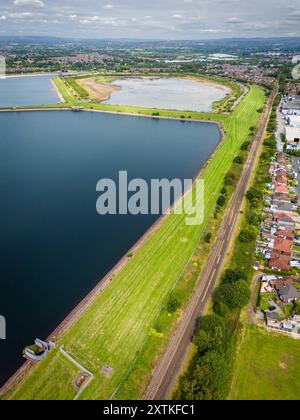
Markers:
point(229, 178)
point(245, 146)
point(221, 201)
point(232, 275)
point(238, 160)
point(208, 237)
point(247, 235)
point(173, 305)
point(254, 219)
point(235, 295)
point(254, 194)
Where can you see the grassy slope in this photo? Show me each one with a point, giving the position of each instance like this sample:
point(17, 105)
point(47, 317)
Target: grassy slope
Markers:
point(267, 368)
point(117, 324)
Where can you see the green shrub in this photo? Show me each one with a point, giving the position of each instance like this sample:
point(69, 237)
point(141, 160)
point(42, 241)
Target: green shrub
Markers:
point(173, 305)
point(208, 237)
point(247, 235)
point(229, 178)
point(238, 160)
point(254, 194)
point(245, 146)
point(221, 201)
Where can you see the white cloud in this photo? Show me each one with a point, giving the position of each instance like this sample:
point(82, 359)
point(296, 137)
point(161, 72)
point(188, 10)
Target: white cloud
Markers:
point(25, 15)
point(108, 6)
point(3, 17)
point(234, 20)
point(177, 16)
point(33, 3)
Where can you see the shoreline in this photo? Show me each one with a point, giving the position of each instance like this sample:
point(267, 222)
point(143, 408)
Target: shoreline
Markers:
point(69, 321)
point(127, 114)
point(58, 92)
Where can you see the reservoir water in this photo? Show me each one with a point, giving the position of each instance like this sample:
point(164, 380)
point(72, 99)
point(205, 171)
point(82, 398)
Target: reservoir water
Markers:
point(27, 91)
point(54, 247)
point(168, 93)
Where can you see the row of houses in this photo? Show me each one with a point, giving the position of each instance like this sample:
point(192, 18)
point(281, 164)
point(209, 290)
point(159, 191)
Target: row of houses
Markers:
point(280, 303)
point(281, 222)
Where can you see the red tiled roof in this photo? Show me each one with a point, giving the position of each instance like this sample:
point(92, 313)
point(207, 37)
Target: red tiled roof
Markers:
point(285, 234)
point(287, 217)
point(281, 179)
point(283, 246)
point(280, 188)
point(280, 262)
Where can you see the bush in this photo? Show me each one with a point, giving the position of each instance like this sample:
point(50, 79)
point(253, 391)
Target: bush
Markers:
point(224, 191)
point(245, 146)
point(221, 201)
point(229, 178)
point(238, 160)
point(247, 235)
point(173, 305)
point(232, 276)
point(208, 237)
point(254, 219)
point(254, 194)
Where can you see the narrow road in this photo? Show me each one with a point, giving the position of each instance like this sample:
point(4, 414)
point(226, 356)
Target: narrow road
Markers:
point(170, 363)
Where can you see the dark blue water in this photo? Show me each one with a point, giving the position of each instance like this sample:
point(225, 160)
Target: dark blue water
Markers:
point(54, 247)
point(27, 91)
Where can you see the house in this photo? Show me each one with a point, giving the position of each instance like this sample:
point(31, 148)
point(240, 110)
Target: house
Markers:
point(280, 262)
point(281, 188)
point(281, 178)
point(285, 219)
point(282, 197)
point(289, 294)
point(283, 246)
point(285, 234)
point(282, 206)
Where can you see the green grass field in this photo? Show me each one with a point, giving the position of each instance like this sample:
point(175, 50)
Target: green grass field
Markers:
point(117, 325)
point(267, 367)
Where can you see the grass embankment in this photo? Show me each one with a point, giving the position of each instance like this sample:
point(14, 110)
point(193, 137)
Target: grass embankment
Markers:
point(268, 366)
point(121, 326)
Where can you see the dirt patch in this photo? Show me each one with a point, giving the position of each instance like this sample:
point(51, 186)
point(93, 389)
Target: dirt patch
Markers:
point(282, 366)
point(98, 91)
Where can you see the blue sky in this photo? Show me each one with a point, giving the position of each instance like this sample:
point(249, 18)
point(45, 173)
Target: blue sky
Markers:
point(171, 19)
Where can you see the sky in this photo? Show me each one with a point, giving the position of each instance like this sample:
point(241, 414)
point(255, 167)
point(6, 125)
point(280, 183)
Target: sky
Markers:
point(150, 19)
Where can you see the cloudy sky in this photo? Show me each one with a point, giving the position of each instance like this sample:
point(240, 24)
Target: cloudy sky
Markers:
point(171, 19)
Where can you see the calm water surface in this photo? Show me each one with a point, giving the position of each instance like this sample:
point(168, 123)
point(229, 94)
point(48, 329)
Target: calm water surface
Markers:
point(179, 94)
point(53, 246)
point(27, 91)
